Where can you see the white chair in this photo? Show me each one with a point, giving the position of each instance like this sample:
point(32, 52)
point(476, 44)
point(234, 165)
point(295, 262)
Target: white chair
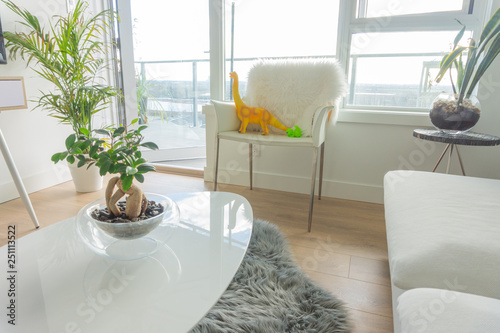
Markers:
point(296, 92)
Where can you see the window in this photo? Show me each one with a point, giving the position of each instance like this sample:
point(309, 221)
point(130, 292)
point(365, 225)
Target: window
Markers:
point(390, 49)
point(395, 47)
point(381, 8)
point(277, 29)
point(396, 69)
point(169, 47)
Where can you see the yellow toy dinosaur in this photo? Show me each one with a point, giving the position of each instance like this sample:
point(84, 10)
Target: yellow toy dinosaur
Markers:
point(253, 115)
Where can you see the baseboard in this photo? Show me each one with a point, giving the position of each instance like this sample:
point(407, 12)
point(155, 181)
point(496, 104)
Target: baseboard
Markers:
point(279, 182)
point(331, 188)
point(184, 171)
point(35, 182)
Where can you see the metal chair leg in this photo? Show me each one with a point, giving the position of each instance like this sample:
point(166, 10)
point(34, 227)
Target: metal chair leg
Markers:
point(313, 183)
point(321, 160)
point(250, 163)
point(216, 163)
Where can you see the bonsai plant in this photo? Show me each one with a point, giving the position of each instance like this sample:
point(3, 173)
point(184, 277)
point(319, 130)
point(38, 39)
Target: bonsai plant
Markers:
point(459, 111)
point(137, 216)
point(71, 55)
point(121, 157)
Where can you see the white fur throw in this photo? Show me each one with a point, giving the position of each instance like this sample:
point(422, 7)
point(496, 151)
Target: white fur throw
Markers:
point(293, 90)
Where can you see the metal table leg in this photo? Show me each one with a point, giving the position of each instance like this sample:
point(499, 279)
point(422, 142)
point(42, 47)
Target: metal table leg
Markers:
point(449, 159)
point(460, 160)
point(441, 157)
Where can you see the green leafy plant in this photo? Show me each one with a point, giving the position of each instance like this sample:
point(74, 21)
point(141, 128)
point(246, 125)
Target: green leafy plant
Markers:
point(71, 55)
point(479, 57)
point(121, 156)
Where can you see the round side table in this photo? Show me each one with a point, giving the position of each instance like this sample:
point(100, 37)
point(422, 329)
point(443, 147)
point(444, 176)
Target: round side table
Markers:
point(452, 140)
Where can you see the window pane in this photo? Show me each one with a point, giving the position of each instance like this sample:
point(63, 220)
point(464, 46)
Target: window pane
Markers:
point(381, 8)
point(171, 53)
point(170, 30)
point(406, 84)
point(279, 28)
point(405, 42)
point(398, 69)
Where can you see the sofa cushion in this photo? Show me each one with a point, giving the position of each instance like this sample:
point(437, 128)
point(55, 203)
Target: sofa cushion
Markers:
point(437, 310)
point(443, 231)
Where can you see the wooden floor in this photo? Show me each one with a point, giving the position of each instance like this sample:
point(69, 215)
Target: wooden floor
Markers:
point(346, 252)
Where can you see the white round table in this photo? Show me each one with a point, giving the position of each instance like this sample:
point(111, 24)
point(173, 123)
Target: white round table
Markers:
point(61, 286)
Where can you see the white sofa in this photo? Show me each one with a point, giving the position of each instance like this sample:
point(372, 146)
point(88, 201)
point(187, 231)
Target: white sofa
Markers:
point(443, 235)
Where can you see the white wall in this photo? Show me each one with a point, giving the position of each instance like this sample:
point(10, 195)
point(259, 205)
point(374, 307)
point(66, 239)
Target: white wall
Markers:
point(32, 136)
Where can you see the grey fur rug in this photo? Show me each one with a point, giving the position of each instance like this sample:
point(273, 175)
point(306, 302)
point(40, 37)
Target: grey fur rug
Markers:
point(270, 294)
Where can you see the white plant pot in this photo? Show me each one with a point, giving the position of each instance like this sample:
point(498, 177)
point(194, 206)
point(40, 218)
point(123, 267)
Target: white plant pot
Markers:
point(86, 180)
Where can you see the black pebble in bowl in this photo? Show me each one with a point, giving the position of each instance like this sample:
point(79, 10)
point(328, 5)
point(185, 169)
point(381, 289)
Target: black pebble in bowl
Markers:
point(458, 121)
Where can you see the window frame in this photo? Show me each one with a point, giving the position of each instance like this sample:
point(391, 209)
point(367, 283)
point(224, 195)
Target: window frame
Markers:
point(348, 24)
point(473, 14)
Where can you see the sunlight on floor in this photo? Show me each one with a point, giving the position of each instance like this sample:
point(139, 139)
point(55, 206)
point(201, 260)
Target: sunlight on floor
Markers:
point(195, 163)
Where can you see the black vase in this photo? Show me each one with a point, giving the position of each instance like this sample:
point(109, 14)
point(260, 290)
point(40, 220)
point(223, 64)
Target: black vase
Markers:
point(447, 116)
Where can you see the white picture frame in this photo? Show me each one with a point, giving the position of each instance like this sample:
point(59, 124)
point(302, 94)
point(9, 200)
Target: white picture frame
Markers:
point(12, 93)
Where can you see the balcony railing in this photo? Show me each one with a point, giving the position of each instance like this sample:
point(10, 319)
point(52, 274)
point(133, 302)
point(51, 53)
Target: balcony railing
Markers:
point(195, 93)
point(197, 96)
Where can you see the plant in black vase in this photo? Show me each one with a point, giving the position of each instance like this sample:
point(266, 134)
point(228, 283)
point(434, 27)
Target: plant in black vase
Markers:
point(460, 111)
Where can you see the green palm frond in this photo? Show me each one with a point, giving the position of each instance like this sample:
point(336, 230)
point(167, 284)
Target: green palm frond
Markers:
point(479, 57)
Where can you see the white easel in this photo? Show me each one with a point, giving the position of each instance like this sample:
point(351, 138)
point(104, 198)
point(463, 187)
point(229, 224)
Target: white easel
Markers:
point(13, 96)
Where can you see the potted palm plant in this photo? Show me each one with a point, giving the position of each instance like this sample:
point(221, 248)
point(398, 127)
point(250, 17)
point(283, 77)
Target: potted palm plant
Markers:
point(460, 111)
point(71, 56)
